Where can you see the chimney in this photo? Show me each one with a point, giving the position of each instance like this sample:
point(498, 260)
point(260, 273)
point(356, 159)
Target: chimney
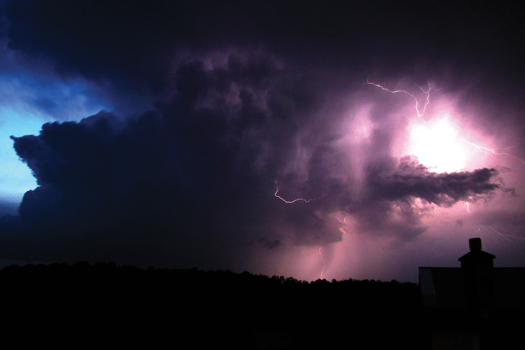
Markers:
point(477, 258)
point(478, 276)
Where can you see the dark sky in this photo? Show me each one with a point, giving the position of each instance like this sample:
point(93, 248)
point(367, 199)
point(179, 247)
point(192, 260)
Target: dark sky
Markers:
point(356, 139)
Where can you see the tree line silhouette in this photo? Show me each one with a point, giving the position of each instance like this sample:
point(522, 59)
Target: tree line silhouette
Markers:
point(129, 305)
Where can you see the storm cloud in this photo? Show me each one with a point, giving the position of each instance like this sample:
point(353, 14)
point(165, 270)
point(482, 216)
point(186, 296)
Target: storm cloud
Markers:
point(219, 120)
point(205, 168)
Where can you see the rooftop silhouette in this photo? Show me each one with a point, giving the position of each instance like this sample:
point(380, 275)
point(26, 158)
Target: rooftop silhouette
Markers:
point(471, 307)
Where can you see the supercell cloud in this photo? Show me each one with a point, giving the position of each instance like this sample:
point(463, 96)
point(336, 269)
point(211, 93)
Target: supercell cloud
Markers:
point(218, 115)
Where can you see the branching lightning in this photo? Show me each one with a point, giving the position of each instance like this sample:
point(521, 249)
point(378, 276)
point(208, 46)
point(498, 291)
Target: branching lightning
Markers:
point(426, 92)
point(499, 233)
point(481, 148)
point(297, 199)
point(505, 236)
point(422, 112)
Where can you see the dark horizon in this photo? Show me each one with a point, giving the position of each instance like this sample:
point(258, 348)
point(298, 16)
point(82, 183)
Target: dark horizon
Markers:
point(127, 306)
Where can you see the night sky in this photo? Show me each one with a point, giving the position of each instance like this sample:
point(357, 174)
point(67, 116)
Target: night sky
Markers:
point(311, 139)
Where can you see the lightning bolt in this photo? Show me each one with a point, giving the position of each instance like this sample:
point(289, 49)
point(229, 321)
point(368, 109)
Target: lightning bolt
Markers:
point(505, 235)
point(482, 148)
point(426, 92)
point(297, 199)
point(427, 102)
point(342, 222)
point(499, 233)
point(322, 259)
point(306, 201)
point(468, 208)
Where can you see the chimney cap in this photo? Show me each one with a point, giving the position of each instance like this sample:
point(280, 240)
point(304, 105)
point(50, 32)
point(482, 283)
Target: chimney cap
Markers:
point(475, 244)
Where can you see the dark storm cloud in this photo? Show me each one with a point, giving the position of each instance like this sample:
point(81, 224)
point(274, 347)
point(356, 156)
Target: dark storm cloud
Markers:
point(389, 205)
point(239, 107)
point(32, 86)
point(199, 171)
point(8, 208)
point(133, 44)
point(415, 180)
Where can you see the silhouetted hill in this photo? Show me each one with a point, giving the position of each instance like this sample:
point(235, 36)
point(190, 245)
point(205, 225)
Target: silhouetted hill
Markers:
point(125, 305)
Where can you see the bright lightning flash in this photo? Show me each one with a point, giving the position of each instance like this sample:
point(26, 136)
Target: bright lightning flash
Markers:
point(436, 145)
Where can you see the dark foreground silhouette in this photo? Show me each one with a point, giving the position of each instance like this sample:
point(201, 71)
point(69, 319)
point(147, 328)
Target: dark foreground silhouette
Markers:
point(110, 307)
